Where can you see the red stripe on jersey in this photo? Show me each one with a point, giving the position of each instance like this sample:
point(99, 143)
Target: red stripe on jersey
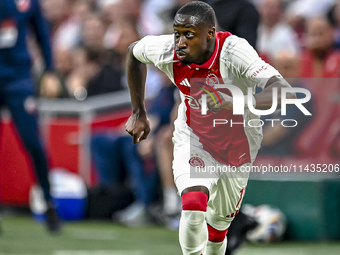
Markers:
point(228, 145)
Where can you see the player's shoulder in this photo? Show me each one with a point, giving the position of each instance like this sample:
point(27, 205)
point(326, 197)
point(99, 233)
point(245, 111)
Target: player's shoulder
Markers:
point(158, 43)
point(155, 49)
point(237, 49)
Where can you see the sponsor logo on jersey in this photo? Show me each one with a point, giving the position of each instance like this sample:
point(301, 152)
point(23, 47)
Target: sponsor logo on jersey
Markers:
point(185, 82)
point(196, 162)
point(255, 73)
point(23, 5)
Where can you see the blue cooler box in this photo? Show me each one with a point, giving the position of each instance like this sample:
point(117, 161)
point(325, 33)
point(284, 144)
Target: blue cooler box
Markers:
point(69, 195)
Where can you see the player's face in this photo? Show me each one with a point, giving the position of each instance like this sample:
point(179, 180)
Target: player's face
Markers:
point(192, 40)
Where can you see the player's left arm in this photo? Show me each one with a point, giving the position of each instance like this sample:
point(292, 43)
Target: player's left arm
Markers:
point(245, 63)
point(263, 100)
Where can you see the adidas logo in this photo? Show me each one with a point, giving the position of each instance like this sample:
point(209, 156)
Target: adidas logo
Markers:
point(185, 82)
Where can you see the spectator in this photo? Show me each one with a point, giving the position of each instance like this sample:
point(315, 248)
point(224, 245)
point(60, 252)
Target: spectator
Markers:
point(274, 35)
point(307, 9)
point(64, 31)
point(320, 59)
point(132, 10)
point(93, 31)
point(55, 86)
point(108, 77)
point(242, 19)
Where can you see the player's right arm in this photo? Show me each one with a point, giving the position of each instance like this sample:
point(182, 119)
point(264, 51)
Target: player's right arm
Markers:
point(137, 125)
point(155, 50)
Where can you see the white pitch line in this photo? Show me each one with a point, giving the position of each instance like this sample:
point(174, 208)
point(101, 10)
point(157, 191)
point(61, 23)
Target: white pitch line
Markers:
point(89, 236)
point(97, 252)
point(277, 251)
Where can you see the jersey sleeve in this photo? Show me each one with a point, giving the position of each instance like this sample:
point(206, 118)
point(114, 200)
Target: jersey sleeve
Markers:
point(243, 60)
point(140, 51)
point(154, 49)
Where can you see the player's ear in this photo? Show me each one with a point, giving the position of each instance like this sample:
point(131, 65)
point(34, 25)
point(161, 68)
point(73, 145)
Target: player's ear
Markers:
point(211, 32)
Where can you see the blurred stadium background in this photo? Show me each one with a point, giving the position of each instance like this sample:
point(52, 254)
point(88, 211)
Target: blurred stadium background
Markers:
point(89, 39)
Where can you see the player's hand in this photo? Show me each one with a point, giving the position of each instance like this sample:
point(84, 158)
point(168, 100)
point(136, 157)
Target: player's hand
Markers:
point(138, 127)
point(227, 102)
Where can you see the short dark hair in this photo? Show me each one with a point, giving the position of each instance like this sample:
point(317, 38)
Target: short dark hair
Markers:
point(203, 11)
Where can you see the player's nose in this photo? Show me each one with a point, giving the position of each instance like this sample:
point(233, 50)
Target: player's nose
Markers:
point(181, 42)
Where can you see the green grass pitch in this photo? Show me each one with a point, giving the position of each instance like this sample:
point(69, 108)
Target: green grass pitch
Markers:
point(21, 235)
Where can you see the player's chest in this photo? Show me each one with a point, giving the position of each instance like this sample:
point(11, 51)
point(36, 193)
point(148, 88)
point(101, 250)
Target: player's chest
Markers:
point(193, 80)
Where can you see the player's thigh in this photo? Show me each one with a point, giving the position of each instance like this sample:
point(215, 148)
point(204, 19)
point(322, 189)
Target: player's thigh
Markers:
point(190, 166)
point(226, 198)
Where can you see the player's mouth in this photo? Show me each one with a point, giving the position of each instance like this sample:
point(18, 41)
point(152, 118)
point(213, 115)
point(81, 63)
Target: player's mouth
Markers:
point(181, 54)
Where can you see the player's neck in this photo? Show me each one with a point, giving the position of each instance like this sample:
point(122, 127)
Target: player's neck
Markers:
point(209, 52)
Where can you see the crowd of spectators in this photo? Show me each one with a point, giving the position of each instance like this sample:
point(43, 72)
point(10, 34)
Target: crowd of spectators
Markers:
point(90, 37)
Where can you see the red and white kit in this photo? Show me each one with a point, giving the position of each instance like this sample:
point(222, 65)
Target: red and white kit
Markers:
point(197, 143)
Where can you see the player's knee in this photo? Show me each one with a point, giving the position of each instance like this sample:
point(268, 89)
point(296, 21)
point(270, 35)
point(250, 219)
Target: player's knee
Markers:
point(215, 235)
point(194, 201)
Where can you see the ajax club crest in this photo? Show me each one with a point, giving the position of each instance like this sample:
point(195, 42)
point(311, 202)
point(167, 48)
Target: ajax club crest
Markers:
point(211, 80)
point(196, 162)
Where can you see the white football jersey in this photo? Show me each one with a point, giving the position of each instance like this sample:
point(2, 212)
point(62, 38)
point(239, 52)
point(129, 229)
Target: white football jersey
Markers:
point(237, 140)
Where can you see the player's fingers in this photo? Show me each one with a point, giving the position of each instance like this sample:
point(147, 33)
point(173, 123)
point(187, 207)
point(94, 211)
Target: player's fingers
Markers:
point(145, 134)
point(209, 100)
point(139, 137)
point(211, 103)
point(211, 108)
point(135, 136)
point(128, 128)
point(217, 106)
point(142, 136)
point(128, 131)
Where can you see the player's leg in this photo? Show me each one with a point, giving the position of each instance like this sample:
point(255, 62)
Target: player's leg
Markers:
point(225, 202)
point(193, 232)
point(20, 100)
point(195, 192)
point(217, 241)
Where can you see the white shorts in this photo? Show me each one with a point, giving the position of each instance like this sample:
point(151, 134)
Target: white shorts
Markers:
point(193, 166)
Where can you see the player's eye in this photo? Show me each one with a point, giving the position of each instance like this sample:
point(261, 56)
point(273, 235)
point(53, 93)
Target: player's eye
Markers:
point(190, 34)
point(176, 34)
